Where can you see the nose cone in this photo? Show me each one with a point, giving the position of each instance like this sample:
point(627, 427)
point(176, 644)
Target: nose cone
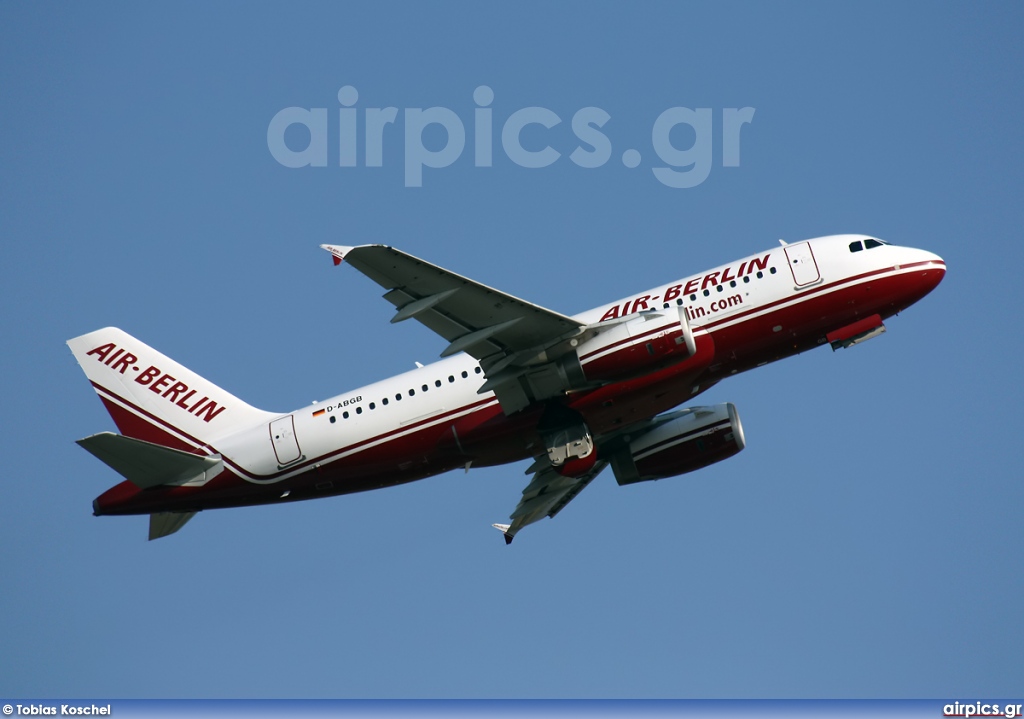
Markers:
point(933, 269)
point(928, 271)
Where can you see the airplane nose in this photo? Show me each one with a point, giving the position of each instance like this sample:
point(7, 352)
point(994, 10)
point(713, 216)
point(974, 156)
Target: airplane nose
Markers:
point(934, 267)
point(932, 257)
point(928, 271)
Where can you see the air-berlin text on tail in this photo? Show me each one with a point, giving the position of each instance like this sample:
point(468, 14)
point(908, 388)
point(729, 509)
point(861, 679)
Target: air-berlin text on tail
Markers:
point(157, 381)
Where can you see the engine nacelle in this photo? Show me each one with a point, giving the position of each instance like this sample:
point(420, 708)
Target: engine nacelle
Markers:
point(629, 348)
point(610, 351)
point(694, 439)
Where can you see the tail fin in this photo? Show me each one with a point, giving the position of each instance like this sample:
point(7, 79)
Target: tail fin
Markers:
point(153, 398)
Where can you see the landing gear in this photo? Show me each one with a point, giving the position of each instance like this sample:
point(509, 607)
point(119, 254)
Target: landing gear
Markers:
point(567, 440)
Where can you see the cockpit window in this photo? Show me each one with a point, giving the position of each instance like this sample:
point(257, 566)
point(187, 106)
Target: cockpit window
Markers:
point(856, 246)
point(871, 244)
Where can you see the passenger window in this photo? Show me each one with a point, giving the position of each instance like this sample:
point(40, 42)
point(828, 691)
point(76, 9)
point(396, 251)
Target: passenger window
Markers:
point(465, 375)
point(359, 410)
point(412, 392)
point(772, 270)
point(451, 378)
point(477, 370)
point(424, 388)
point(746, 279)
point(373, 406)
point(856, 246)
point(384, 401)
point(437, 383)
point(344, 415)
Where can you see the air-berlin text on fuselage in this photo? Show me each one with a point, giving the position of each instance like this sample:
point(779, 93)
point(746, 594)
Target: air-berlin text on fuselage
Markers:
point(158, 381)
point(712, 279)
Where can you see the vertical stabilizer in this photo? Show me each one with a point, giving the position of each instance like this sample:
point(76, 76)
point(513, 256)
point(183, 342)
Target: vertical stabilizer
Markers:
point(153, 398)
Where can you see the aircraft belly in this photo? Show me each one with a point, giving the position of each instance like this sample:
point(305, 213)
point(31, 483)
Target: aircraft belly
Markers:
point(126, 498)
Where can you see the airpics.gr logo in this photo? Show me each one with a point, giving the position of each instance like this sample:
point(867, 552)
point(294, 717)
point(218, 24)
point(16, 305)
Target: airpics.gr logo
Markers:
point(676, 167)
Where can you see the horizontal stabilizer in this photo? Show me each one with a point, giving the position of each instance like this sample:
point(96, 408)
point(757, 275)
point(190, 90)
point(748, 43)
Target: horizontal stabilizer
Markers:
point(163, 523)
point(147, 465)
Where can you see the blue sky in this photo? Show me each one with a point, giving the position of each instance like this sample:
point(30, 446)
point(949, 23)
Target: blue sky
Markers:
point(867, 543)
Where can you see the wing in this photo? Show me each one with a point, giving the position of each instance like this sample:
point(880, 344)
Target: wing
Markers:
point(504, 332)
point(546, 496)
point(473, 317)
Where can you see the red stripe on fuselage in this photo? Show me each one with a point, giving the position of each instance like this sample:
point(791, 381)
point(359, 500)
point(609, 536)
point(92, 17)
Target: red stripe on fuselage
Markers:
point(630, 339)
point(141, 424)
point(832, 286)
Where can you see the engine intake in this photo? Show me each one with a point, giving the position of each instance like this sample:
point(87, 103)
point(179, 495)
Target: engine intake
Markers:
point(692, 439)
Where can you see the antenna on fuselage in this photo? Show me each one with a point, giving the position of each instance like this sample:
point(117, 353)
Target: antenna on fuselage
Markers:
point(783, 242)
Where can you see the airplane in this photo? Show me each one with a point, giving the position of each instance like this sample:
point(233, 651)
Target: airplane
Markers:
point(516, 381)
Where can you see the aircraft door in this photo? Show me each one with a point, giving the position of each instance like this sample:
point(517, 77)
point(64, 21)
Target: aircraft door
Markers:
point(282, 436)
point(802, 264)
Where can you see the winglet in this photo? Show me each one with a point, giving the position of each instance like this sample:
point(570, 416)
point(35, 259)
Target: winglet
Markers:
point(338, 251)
point(503, 528)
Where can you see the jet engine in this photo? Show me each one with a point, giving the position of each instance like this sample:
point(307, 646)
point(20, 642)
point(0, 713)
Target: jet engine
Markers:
point(681, 442)
point(640, 344)
point(604, 352)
